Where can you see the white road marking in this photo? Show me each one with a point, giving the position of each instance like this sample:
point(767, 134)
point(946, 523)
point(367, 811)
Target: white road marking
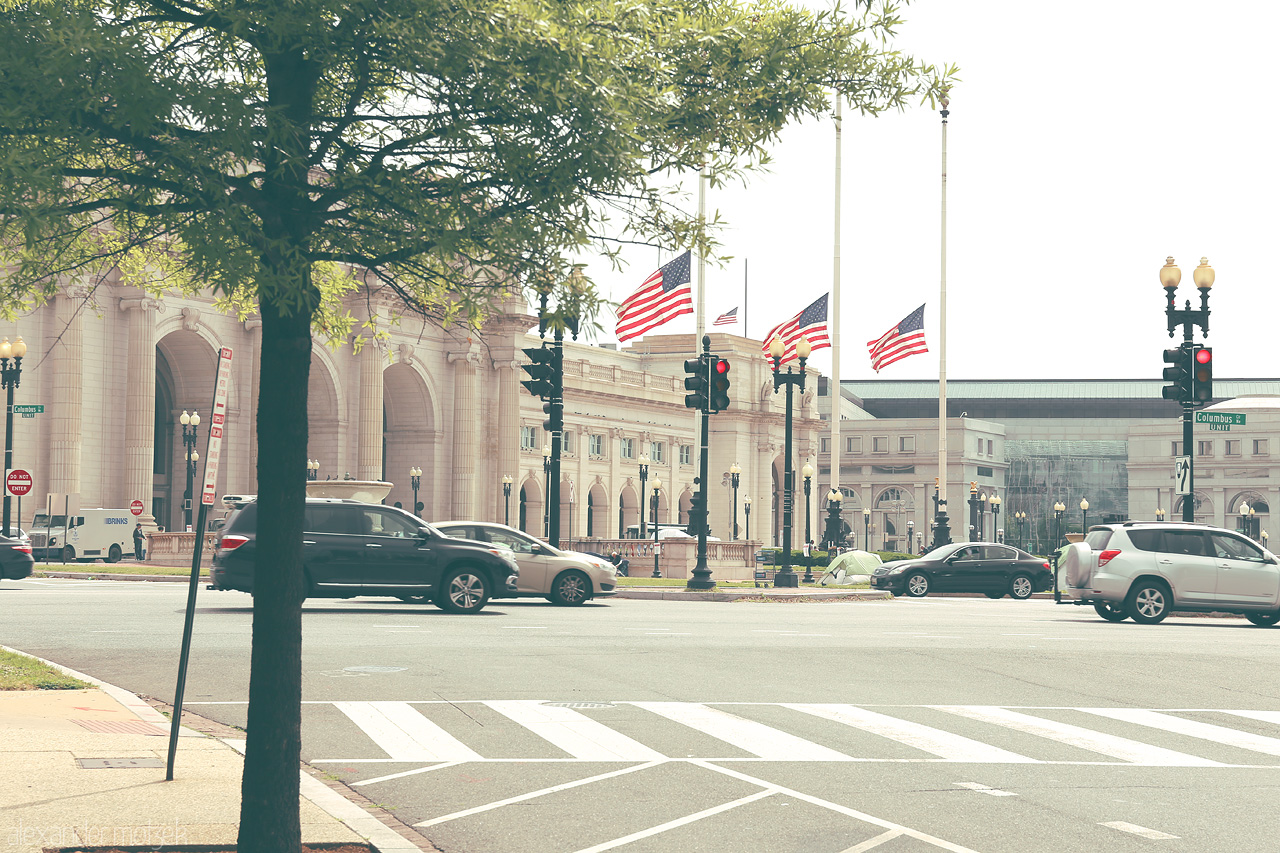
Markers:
point(389, 626)
point(872, 843)
point(534, 794)
point(983, 789)
point(404, 734)
point(678, 822)
point(1192, 728)
point(575, 733)
point(403, 773)
point(669, 634)
point(756, 738)
point(523, 627)
point(1117, 747)
point(1138, 830)
point(942, 744)
point(1263, 716)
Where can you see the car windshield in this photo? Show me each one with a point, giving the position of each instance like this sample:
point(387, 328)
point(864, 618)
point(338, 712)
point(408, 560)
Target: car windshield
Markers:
point(946, 550)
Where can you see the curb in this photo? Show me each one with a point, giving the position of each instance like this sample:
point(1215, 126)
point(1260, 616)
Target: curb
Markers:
point(108, 576)
point(762, 594)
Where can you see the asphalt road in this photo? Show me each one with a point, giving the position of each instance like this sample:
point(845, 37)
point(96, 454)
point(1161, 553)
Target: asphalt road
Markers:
point(920, 724)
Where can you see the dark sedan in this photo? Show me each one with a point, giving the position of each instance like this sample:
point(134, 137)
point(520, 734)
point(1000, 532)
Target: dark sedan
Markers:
point(986, 567)
point(15, 559)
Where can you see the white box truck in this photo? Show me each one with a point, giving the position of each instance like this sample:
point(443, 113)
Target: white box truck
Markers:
point(92, 534)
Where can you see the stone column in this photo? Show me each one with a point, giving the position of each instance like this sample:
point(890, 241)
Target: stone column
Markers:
point(68, 391)
point(369, 436)
point(464, 433)
point(508, 433)
point(140, 404)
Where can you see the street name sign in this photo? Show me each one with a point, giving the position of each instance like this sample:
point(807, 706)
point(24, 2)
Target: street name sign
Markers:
point(1182, 475)
point(214, 447)
point(1220, 421)
point(29, 411)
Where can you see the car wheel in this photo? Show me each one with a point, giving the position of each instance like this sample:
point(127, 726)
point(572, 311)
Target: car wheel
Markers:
point(917, 585)
point(68, 554)
point(1149, 602)
point(1263, 620)
point(996, 595)
point(1109, 611)
point(1021, 587)
point(571, 589)
point(463, 591)
point(114, 554)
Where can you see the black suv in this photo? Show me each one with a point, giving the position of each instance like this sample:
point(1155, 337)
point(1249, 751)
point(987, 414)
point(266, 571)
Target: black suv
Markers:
point(352, 548)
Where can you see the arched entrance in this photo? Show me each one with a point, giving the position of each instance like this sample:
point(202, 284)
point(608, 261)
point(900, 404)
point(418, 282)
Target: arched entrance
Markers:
point(186, 370)
point(628, 510)
point(597, 512)
point(531, 507)
point(408, 439)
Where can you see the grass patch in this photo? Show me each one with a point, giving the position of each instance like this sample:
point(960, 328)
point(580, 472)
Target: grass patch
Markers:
point(20, 672)
point(116, 569)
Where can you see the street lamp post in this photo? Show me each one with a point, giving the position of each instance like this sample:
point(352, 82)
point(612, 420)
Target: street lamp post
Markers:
point(866, 528)
point(189, 424)
point(746, 511)
point(10, 375)
point(1058, 509)
point(806, 474)
point(546, 476)
point(415, 480)
point(996, 501)
point(735, 474)
point(1159, 514)
point(785, 577)
point(982, 517)
point(644, 476)
point(1254, 523)
point(1188, 318)
point(506, 496)
point(313, 468)
point(973, 507)
point(1084, 516)
point(657, 487)
point(911, 529)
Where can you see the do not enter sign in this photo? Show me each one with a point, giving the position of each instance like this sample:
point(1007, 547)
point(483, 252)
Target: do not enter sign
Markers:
point(136, 507)
point(18, 482)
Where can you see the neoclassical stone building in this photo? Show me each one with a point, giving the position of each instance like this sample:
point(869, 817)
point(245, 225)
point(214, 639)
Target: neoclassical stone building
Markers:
point(115, 369)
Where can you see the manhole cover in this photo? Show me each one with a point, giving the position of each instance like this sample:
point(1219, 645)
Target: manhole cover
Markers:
point(578, 704)
point(374, 669)
point(114, 763)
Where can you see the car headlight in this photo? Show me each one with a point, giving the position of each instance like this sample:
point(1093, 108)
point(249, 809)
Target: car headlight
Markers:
point(897, 570)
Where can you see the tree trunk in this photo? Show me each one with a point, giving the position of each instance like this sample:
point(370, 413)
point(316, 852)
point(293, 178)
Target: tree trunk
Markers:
point(269, 818)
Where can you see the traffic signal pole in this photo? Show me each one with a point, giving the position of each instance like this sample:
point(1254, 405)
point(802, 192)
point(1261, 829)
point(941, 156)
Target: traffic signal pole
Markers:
point(557, 439)
point(1188, 371)
point(701, 578)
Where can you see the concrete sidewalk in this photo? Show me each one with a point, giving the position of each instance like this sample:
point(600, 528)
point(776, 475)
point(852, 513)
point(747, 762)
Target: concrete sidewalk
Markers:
point(52, 796)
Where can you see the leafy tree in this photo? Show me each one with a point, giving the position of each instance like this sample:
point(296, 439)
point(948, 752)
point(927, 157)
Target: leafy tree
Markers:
point(278, 153)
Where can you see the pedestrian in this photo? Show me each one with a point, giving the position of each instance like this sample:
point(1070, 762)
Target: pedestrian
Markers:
point(138, 539)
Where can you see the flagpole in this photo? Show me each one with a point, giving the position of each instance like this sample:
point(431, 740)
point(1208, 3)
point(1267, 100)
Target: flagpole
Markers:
point(942, 534)
point(702, 260)
point(834, 391)
point(745, 262)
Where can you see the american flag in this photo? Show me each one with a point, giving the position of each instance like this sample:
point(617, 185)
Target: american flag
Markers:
point(664, 295)
point(728, 318)
point(810, 323)
point(904, 339)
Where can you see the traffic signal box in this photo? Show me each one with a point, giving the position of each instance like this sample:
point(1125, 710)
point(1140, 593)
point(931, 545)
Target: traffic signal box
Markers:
point(719, 382)
point(545, 378)
point(1178, 374)
point(697, 384)
point(697, 514)
point(1202, 381)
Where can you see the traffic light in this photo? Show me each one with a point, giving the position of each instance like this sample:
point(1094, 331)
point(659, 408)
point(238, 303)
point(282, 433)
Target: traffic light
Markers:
point(1202, 386)
point(543, 375)
point(1178, 375)
point(555, 416)
point(718, 379)
point(696, 382)
point(697, 514)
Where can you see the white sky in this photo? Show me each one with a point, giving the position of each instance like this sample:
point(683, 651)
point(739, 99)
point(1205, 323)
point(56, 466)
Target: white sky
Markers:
point(1084, 145)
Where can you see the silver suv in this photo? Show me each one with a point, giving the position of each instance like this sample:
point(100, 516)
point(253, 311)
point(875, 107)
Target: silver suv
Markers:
point(1145, 569)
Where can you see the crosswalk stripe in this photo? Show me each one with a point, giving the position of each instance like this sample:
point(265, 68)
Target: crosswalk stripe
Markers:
point(1116, 747)
point(942, 744)
point(575, 733)
point(1192, 728)
point(1263, 716)
point(404, 734)
point(756, 738)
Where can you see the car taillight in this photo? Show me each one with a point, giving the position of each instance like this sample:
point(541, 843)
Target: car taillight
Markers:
point(26, 549)
point(1047, 566)
point(230, 543)
point(1107, 556)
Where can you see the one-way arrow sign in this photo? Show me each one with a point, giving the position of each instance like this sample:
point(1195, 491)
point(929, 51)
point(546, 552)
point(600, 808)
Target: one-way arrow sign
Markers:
point(1182, 475)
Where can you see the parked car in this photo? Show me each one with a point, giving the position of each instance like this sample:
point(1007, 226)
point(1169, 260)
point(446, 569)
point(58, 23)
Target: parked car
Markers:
point(352, 548)
point(987, 567)
point(1144, 570)
point(562, 577)
point(15, 559)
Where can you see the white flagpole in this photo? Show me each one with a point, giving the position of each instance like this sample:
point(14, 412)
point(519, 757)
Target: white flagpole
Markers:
point(702, 261)
point(834, 391)
point(942, 322)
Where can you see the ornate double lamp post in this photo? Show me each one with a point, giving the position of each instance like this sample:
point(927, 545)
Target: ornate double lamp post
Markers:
point(834, 499)
point(785, 577)
point(746, 511)
point(1058, 509)
point(657, 489)
point(313, 468)
point(995, 502)
point(415, 480)
point(644, 476)
point(1188, 318)
point(735, 476)
point(911, 529)
point(10, 375)
point(866, 528)
point(506, 496)
point(189, 433)
point(806, 474)
point(546, 477)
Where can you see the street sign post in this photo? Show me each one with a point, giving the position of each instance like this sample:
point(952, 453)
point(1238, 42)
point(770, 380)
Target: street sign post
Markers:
point(1182, 475)
point(18, 482)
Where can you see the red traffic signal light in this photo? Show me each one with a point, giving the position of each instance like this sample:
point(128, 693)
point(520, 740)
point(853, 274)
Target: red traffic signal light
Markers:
point(719, 381)
point(1204, 355)
point(1202, 384)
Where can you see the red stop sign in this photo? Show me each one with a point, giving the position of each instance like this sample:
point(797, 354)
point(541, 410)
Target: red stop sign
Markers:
point(136, 507)
point(18, 482)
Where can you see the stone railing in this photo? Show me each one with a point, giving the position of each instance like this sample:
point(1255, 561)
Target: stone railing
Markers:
point(677, 557)
point(176, 548)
